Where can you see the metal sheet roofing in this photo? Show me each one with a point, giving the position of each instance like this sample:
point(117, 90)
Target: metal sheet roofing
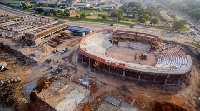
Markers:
point(79, 29)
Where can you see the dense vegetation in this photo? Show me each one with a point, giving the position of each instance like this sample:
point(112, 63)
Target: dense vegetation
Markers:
point(189, 7)
point(135, 12)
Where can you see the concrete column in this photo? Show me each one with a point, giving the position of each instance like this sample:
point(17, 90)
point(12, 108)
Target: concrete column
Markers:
point(89, 62)
point(154, 79)
point(124, 74)
point(178, 82)
point(166, 80)
point(109, 69)
point(82, 58)
point(138, 79)
point(97, 65)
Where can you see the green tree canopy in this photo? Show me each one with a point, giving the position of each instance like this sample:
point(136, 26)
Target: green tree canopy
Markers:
point(120, 17)
point(66, 12)
point(60, 13)
point(178, 25)
point(155, 20)
point(143, 18)
point(134, 4)
point(39, 10)
point(24, 6)
point(184, 21)
point(104, 16)
point(52, 12)
point(83, 15)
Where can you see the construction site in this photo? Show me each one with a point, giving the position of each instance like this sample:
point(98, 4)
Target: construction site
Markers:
point(46, 65)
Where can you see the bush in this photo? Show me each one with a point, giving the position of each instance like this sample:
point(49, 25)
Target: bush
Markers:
point(178, 25)
point(83, 15)
point(143, 18)
point(99, 15)
point(104, 16)
point(133, 20)
point(155, 20)
point(77, 16)
point(127, 19)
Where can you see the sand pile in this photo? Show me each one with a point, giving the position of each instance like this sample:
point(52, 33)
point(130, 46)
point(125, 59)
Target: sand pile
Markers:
point(46, 49)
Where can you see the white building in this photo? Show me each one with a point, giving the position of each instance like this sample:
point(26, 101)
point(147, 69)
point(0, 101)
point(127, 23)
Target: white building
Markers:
point(48, 1)
point(80, 5)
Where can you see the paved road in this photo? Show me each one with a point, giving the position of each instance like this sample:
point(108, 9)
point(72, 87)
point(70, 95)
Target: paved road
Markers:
point(162, 33)
point(98, 26)
point(14, 11)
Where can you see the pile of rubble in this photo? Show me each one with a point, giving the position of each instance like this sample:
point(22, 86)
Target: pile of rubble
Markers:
point(9, 80)
point(21, 58)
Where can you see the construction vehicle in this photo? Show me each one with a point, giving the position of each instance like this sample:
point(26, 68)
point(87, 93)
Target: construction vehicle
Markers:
point(143, 56)
point(33, 54)
point(2, 66)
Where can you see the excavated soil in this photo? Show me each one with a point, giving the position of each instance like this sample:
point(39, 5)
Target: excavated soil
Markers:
point(165, 106)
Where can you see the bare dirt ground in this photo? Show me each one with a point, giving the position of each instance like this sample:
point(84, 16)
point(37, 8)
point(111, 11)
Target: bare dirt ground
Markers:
point(128, 55)
point(147, 95)
point(5, 13)
point(143, 96)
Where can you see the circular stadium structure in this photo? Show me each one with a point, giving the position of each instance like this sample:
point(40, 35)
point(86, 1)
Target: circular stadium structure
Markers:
point(134, 56)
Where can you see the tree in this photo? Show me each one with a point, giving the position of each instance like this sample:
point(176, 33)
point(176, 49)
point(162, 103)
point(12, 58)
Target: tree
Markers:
point(143, 18)
point(155, 20)
point(133, 20)
point(114, 14)
point(120, 17)
point(104, 16)
point(99, 15)
point(66, 12)
point(24, 6)
point(127, 19)
point(146, 16)
point(178, 25)
point(134, 4)
point(77, 16)
point(39, 10)
point(83, 15)
point(47, 13)
point(184, 21)
point(52, 12)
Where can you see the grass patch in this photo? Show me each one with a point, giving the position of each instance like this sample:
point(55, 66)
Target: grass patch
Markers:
point(94, 12)
point(11, 2)
point(93, 20)
point(195, 44)
point(157, 27)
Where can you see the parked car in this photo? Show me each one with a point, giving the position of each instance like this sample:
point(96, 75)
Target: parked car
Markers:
point(33, 54)
point(192, 26)
point(192, 32)
point(63, 50)
point(54, 51)
point(196, 28)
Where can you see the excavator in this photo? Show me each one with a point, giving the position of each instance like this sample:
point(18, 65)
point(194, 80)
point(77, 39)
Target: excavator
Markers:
point(143, 56)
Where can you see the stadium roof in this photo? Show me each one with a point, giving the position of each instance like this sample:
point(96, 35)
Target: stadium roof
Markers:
point(79, 29)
